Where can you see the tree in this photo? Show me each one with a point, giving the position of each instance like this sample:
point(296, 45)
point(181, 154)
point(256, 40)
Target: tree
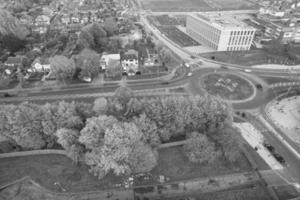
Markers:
point(121, 151)
point(12, 43)
point(93, 36)
point(165, 55)
point(62, 67)
point(114, 45)
point(22, 124)
point(142, 158)
point(110, 26)
point(228, 141)
point(149, 130)
point(86, 39)
point(67, 137)
point(88, 61)
point(200, 150)
point(92, 135)
point(100, 105)
point(123, 95)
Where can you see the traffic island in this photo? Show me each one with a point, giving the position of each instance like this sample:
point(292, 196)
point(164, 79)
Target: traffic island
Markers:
point(230, 87)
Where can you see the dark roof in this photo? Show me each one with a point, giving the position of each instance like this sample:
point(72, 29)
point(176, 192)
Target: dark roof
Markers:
point(15, 60)
point(130, 54)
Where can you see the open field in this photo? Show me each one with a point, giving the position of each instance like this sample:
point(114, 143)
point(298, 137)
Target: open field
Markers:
point(175, 165)
point(48, 169)
point(195, 5)
point(227, 86)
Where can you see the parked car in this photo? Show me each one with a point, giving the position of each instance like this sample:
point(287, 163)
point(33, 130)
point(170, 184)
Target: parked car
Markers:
point(269, 147)
point(279, 158)
point(190, 74)
point(248, 70)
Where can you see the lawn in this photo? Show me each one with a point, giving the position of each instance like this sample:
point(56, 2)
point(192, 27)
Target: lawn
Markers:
point(247, 58)
point(175, 165)
point(177, 36)
point(227, 86)
point(47, 169)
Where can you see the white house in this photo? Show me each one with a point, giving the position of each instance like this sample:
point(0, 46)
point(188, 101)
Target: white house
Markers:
point(40, 65)
point(130, 62)
point(106, 58)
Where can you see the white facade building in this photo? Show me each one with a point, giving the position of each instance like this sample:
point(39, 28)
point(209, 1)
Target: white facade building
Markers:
point(220, 32)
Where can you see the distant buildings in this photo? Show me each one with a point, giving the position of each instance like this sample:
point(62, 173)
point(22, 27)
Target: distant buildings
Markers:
point(279, 20)
point(220, 32)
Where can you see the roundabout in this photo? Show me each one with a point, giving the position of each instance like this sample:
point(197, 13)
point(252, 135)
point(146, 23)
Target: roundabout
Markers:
point(228, 86)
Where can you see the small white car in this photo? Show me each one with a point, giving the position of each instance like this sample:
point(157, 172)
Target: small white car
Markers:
point(247, 70)
point(190, 74)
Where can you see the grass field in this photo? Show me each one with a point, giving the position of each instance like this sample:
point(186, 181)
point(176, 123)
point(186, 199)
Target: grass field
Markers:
point(47, 169)
point(227, 86)
point(175, 165)
point(195, 5)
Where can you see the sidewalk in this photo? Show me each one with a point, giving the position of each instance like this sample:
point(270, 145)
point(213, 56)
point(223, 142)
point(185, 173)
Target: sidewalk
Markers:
point(275, 66)
point(256, 139)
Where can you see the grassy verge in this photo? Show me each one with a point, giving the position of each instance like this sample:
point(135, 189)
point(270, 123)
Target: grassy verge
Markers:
point(247, 58)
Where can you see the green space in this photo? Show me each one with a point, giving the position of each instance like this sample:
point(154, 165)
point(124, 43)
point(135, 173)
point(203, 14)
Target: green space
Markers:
point(173, 163)
point(127, 132)
point(272, 80)
point(48, 169)
point(252, 57)
point(227, 86)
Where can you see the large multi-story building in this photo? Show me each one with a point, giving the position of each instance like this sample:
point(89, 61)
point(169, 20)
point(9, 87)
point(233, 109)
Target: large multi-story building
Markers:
point(220, 32)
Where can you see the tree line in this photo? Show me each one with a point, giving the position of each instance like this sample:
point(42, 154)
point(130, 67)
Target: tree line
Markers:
point(121, 133)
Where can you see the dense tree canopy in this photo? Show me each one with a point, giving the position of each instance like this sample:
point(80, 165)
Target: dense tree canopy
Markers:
point(200, 150)
point(93, 36)
point(121, 133)
point(88, 61)
point(62, 67)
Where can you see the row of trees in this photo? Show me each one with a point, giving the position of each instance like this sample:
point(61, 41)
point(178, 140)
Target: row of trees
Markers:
point(122, 133)
point(87, 62)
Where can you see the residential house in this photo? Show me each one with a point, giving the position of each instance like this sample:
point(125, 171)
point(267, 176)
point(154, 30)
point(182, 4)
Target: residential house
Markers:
point(40, 65)
point(15, 62)
point(130, 62)
point(108, 58)
point(41, 24)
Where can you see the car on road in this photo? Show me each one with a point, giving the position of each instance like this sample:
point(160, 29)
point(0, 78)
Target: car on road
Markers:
point(190, 74)
point(224, 67)
point(248, 70)
point(165, 82)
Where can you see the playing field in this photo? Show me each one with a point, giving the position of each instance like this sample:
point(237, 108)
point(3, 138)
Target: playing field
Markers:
point(195, 5)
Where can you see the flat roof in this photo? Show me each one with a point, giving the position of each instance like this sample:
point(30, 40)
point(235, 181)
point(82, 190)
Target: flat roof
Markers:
point(223, 21)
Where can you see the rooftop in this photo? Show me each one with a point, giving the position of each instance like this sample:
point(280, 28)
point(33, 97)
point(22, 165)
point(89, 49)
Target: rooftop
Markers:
point(223, 21)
